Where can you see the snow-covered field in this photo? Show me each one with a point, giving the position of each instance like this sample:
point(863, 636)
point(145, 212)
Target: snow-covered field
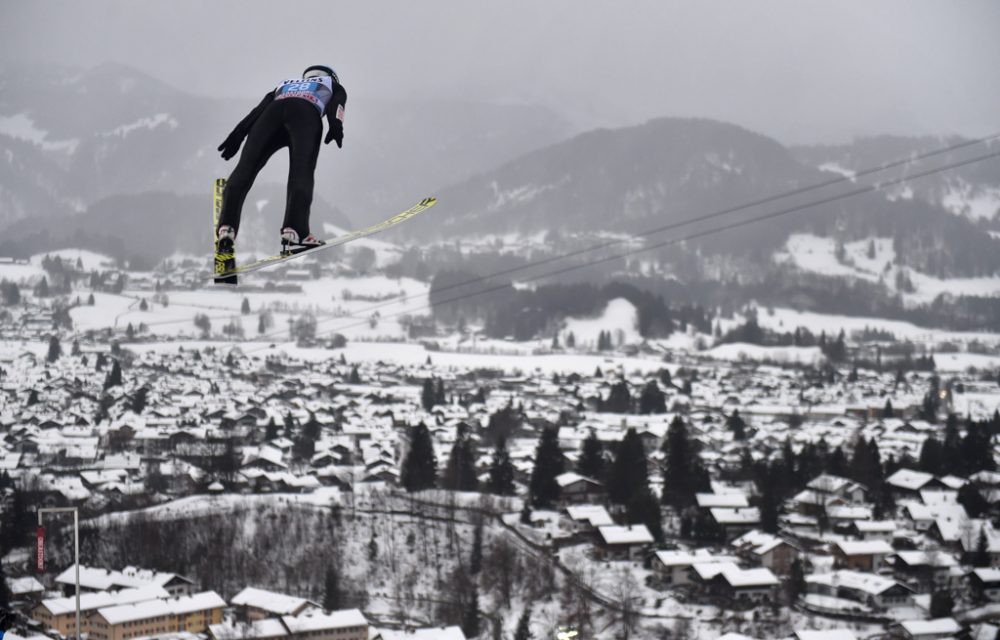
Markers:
point(740, 352)
point(619, 317)
point(818, 255)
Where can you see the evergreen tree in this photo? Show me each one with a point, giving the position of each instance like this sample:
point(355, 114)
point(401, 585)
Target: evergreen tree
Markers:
point(981, 556)
point(931, 456)
point(652, 399)
point(143, 305)
point(628, 475)
point(42, 288)
point(523, 631)
point(332, 598)
point(75, 350)
point(427, 395)
point(5, 597)
point(470, 617)
point(355, 377)
point(439, 395)
point(973, 501)
point(245, 310)
point(460, 472)
point(140, 399)
point(683, 473)
point(90, 300)
point(942, 604)
point(737, 425)
point(419, 467)
point(10, 293)
point(549, 463)
point(796, 580)
point(114, 378)
point(642, 508)
point(570, 341)
point(501, 470)
point(271, 431)
point(619, 400)
point(887, 411)
point(476, 556)
point(55, 349)
point(591, 460)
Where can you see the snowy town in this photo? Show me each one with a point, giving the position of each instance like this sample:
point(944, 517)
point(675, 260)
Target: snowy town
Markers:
point(430, 488)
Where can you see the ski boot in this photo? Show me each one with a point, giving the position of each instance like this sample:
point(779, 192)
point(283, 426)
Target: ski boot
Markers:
point(292, 244)
point(225, 239)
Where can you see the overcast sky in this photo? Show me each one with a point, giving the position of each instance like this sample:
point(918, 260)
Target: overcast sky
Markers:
point(799, 70)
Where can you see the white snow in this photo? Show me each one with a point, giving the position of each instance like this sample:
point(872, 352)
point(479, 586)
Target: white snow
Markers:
point(833, 167)
point(22, 127)
point(91, 261)
point(818, 255)
point(963, 199)
point(741, 351)
point(620, 317)
point(150, 122)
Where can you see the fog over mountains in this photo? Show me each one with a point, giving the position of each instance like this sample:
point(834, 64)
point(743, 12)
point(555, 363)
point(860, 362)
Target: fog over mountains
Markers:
point(118, 160)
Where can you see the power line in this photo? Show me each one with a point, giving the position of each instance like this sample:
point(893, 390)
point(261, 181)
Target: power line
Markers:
point(674, 225)
point(692, 236)
point(667, 227)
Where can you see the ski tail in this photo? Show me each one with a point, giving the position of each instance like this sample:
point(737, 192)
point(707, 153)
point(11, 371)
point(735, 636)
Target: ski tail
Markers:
point(224, 262)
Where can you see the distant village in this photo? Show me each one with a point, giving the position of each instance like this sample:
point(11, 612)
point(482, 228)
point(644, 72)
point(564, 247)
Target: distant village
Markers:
point(849, 502)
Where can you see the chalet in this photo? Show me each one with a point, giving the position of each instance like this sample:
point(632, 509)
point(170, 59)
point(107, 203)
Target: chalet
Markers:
point(673, 568)
point(924, 571)
point(861, 555)
point(871, 590)
point(577, 489)
point(587, 518)
point(832, 486)
point(985, 584)
point(906, 483)
point(745, 586)
point(27, 588)
point(623, 542)
point(937, 629)
point(734, 500)
point(767, 550)
point(873, 529)
point(59, 614)
point(735, 522)
point(94, 579)
point(257, 604)
point(347, 624)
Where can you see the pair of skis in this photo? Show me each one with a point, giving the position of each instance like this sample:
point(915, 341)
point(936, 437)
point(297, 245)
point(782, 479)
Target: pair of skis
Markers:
point(226, 270)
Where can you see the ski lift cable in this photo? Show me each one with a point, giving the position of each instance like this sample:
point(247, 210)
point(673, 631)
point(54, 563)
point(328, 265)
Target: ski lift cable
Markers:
point(911, 158)
point(677, 240)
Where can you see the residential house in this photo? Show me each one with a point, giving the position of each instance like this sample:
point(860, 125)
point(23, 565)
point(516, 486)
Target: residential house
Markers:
point(924, 571)
point(985, 584)
point(673, 568)
point(623, 542)
point(256, 604)
point(767, 550)
point(873, 591)
point(937, 629)
point(577, 489)
point(735, 522)
point(861, 555)
point(192, 614)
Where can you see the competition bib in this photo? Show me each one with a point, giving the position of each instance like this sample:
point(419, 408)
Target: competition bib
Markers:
point(316, 90)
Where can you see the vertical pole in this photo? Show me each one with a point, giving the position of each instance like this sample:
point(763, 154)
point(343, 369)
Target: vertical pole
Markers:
point(76, 549)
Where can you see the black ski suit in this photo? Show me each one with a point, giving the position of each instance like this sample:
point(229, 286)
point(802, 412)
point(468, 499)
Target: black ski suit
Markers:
point(289, 116)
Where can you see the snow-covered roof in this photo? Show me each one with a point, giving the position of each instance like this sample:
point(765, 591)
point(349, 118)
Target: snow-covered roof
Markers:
point(750, 577)
point(690, 558)
point(927, 558)
point(596, 515)
point(90, 601)
point(876, 526)
point(439, 633)
point(746, 515)
point(631, 534)
point(938, 627)
point(27, 584)
point(987, 575)
point(825, 634)
point(732, 500)
point(264, 628)
point(568, 478)
point(864, 547)
point(154, 608)
point(857, 580)
point(909, 479)
point(315, 621)
point(270, 601)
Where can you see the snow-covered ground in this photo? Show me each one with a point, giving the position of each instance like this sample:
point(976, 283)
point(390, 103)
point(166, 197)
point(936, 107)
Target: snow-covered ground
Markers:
point(619, 317)
point(740, 352)
point(88, 260)
point(22, 127)
point(979, 204)
point(818, 255)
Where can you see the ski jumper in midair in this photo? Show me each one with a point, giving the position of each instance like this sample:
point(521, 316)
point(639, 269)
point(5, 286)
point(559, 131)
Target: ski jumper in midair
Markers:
point(289, 116)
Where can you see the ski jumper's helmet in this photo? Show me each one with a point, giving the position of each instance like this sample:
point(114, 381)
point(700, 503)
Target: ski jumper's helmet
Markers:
point(320, 70)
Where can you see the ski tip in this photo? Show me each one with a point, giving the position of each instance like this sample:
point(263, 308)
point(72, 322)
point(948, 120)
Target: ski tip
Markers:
point(428, 201)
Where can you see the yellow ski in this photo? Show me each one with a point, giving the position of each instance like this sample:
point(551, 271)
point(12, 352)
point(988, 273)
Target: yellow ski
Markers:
point(418, 208)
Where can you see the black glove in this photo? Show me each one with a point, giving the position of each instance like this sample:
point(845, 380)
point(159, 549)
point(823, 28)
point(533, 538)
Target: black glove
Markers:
point(336, 133)
point(231, 145)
